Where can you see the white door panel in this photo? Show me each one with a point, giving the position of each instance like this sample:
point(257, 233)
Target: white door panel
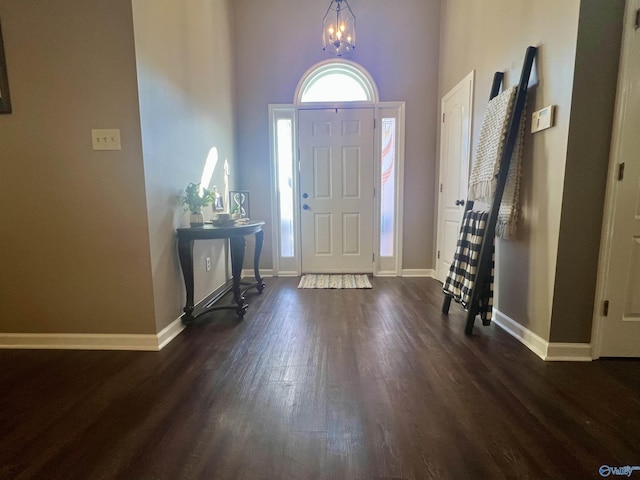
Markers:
point(455, 140)
point(620, 334)
point(336, 175)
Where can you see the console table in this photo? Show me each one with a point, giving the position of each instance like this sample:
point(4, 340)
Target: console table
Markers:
point(236, 235)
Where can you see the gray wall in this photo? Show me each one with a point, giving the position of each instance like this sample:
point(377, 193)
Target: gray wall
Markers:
point(88, 238)
point(397, 43)
point(490, 36)
point(73, 221)
point(545, 278)
point(592, 107)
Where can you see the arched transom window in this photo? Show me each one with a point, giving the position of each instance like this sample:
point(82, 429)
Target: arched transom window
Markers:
point(336, 81)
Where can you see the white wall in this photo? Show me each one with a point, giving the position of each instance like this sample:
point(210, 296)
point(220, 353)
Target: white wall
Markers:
point(185, 75)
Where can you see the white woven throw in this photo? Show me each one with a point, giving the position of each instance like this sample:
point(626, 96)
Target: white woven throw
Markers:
point(509, 211)
point(491, 144)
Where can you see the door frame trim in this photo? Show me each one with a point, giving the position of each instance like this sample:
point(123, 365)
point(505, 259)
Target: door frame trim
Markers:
point(606, 239)
point(379, 268)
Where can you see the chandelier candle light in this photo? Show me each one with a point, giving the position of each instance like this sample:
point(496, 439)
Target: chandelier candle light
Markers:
point(339, 28)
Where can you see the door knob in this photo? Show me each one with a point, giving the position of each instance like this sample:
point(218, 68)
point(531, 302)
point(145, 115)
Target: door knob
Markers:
point(459, 202)
point(305, 206)
point(305, 195)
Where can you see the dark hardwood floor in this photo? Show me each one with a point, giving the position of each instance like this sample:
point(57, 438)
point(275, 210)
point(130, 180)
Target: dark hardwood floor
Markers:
point(319, 384)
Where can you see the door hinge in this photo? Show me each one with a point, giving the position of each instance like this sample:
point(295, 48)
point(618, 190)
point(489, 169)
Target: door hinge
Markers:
point(621, 171)
point(373, 257)
point(605, 308)
point(374, 192)
point(440, 188)
point(374, 123)
point(438, 254)
point(442, 117)
point(637, 19)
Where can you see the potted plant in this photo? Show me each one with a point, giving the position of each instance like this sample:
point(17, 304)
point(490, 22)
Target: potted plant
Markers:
point(193, 201)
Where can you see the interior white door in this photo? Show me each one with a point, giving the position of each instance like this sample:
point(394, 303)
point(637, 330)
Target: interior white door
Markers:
point(455, 146)
point(620, 334)
point(336, 184)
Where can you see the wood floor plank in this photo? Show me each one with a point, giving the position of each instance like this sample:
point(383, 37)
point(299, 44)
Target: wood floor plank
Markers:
point(319, 384)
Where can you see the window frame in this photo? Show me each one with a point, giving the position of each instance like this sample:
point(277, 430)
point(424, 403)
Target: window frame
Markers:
point(331, 67)
point(284, 266)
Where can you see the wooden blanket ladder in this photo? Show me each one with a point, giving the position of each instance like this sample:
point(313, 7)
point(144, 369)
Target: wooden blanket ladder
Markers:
point(486, 250)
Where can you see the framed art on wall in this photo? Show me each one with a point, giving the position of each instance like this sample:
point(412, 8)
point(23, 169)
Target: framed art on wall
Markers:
point(5, 99)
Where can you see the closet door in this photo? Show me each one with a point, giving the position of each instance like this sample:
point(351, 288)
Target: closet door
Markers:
point(620, 328)
point(455, 158)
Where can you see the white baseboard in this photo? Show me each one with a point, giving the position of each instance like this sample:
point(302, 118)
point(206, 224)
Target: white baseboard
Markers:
point(574, 352)
point(418, 272)
point(170, 332)
point(286, 274)
point(407, 272)
point(79, 341)
point(248, 273)
point(535, 343)
point(92, 341)
point(385, 273)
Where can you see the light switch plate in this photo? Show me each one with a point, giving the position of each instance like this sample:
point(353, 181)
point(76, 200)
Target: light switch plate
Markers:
point(106, 139)
point(543, 119)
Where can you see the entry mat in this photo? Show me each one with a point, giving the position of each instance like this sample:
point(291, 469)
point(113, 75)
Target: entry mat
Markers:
point(334, 281)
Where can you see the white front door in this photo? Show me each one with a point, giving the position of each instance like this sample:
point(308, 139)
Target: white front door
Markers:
point(336, 185)
point(455, 141)
point(620, 333)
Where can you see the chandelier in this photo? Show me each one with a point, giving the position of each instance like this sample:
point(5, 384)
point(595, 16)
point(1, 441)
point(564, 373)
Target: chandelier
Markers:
point(339, 28)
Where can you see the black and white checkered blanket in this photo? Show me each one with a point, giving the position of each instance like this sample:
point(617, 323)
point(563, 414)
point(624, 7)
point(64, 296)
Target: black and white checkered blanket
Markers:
point(462, 273)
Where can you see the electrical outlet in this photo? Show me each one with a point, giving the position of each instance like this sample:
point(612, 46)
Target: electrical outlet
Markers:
point(208, 263)
point(106, 139)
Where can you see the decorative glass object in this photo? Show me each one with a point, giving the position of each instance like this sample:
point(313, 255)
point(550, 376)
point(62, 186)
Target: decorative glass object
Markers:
point(239, 203)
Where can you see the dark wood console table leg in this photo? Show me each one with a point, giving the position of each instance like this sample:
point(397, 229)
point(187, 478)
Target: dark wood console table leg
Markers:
point(185, 252)
point(237, 245)
point(256, 261)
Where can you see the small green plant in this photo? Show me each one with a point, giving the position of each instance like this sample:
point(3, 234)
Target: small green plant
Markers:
point(193, 201)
